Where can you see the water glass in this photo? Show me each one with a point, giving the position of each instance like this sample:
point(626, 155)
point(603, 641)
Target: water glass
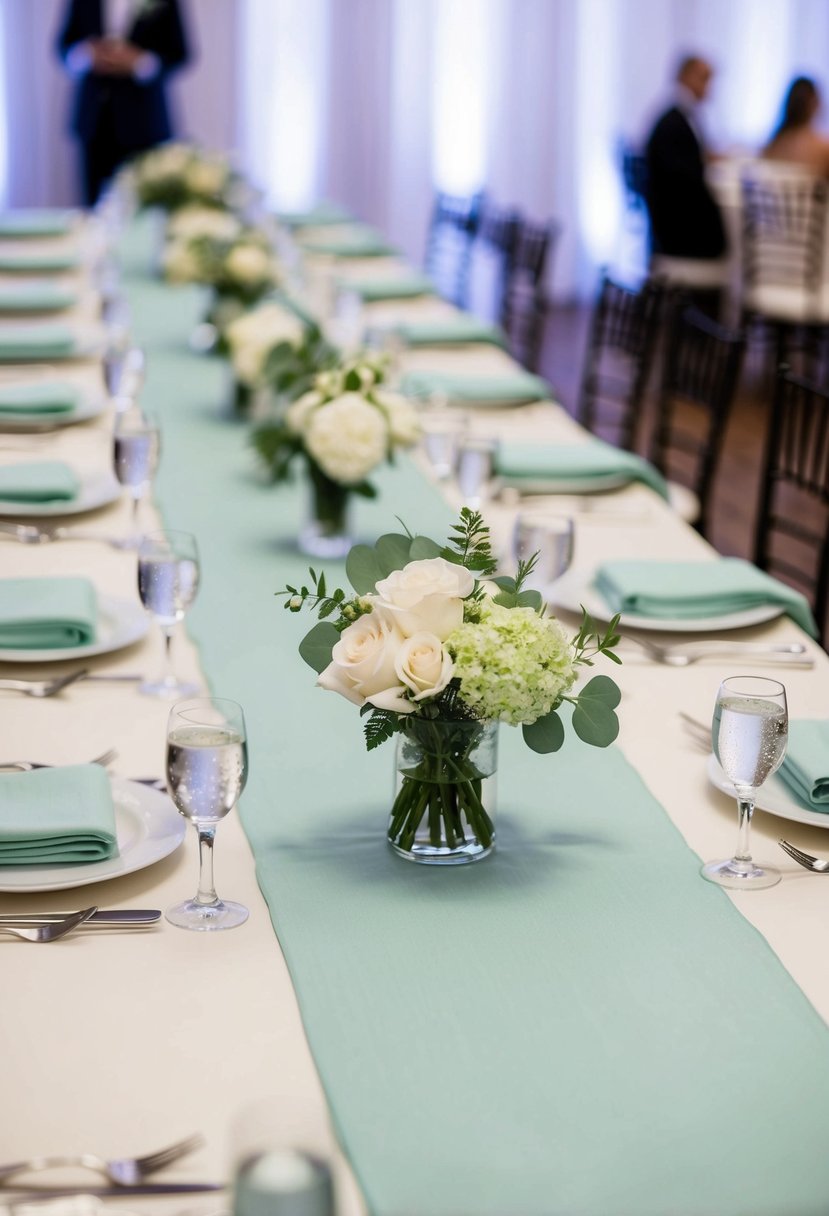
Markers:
point(207, 767)
point(136, 448)
point(549, 536)
point(749, 735)
point(475, 469)
point(443, 431)
point(168, 579)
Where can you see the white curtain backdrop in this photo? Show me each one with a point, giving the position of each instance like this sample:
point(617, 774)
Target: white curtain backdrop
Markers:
point(375, 103)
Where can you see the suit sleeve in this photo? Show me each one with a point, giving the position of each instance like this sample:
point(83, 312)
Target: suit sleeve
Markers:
point(72, 31)
point(172, 49)
point(677, 152)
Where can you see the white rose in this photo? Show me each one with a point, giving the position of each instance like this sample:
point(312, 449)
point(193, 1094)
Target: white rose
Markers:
point(249, 264)
point(253, 335)
point(206, 177)
point(426, 595)
point(330, 383)
point(347, 437)
point(362, 666)
point(193, 222)
point(299, 411)
point(404, 424)
point(423, 665)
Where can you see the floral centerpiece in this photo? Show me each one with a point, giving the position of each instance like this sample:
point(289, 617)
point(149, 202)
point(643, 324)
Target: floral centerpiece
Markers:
point(175, 174)
point(434, 648)
point(346, 425)
point(271, 347)
point(235, 261)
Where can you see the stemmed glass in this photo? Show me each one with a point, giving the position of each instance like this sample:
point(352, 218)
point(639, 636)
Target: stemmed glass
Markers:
point(168, 579)
point(136, 447)
point(749, 734)
point(552, 537)
point(207, 767)
point(475, 469)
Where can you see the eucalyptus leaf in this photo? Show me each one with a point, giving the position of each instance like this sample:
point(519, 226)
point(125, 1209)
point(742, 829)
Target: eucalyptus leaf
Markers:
point(506, 599)
point(601, 688)
point(315, 648)
point(504, 581)
point(530, 599)
point(595, 722)
point(545, 734)
point(423, 547)
point(363, 569)
point(393, 551)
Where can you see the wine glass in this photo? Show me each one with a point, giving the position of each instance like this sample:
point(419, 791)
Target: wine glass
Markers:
point(168, 579)
point(207, 767)
point(136, 447)
point(475, 469)
point(552, 537)
point(749, 734)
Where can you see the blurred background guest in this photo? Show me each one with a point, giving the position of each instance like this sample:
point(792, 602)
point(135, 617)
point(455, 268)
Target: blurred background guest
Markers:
point(795, 140)
point(120, 53)
point(685, 219)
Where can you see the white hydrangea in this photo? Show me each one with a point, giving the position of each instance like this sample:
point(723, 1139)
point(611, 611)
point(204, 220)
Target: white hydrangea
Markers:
point(181, 263)
point(347, 437)
point(168, 160)
point(207, 177)
point(253, 335)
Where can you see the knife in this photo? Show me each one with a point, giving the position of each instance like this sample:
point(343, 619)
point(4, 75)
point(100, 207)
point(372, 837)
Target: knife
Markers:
point(137, 917)
point(112, 1192)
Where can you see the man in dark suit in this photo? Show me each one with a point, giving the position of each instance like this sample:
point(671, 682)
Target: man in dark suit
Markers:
point(685, 219)
point(120, 53)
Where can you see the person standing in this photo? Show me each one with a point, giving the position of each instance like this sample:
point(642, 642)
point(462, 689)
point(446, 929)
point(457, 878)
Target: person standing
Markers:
point(120, 53)
point(685, 219)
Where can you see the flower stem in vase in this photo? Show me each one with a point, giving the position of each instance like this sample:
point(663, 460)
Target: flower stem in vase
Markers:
point(326, 531)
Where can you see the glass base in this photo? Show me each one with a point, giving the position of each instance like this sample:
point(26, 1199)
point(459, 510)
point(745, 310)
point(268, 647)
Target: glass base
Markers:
point(203, 917)
point(168, 690)
point(462, 855)
point(740, 876)
point(127, 542)
point(314, 543)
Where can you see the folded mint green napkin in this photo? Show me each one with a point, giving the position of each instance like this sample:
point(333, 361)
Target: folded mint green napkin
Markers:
point(805, 768)
point(544, 465)
point(39, 296)
point(695, 590)
point(405, 288)
point(47, 613)
point(37, 262)
point(57, 816)
point(366, 244)
point(38, 481)
point(514, 389)
point(35, 223)
point(450, 330)
point(42, 397)
point(36, 342)
point(322, 214)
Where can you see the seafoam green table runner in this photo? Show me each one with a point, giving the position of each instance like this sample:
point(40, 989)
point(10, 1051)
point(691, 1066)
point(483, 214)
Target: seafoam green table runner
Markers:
point(578, 1025)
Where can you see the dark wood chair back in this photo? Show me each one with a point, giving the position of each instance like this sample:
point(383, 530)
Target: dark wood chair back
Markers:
point(620, 348)
point(492, 261)
point(699, 378)
point(525, 301)
point(792, 538)
point(452, 228)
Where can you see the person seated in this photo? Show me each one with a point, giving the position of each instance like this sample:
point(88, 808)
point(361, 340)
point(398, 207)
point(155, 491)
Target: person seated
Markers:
point(795, 140)
point(685, 219)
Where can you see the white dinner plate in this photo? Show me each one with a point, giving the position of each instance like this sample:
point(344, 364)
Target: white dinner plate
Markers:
point(576, 587)
point(96, 490)
point(561, 485)
point(773, 796)
point(120, 623)
point(148, 828)
point(89, 406)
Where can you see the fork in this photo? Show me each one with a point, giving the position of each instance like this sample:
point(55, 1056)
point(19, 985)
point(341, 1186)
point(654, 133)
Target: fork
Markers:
point(122, 1171)
point(26, 766)
point(794, 654)
point(29, 534)
point(816, 864)
point(42, 688)
point(50, 932)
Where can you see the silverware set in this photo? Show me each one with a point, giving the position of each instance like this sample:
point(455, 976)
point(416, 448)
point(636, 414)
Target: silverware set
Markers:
point(793, 654)
point(46, 931)
point(122, 1173)
point(29, 534)
point(52, 926)
point(48, 688)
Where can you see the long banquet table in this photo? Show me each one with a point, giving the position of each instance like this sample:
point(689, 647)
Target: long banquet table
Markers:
point(579, 1024)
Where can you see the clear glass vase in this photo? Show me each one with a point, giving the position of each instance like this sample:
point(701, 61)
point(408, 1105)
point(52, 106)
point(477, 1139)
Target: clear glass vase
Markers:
point(326, 532)
point(444, 806)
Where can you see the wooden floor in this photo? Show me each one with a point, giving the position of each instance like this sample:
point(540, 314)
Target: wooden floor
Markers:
point(738, 476)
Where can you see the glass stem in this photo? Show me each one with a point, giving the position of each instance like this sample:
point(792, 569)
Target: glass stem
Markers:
point(136, 503)
point(206, 893)
point(742, 855)
point(169, 675)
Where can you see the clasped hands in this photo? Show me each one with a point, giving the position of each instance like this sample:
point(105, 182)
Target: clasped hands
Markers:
point(114, 56)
